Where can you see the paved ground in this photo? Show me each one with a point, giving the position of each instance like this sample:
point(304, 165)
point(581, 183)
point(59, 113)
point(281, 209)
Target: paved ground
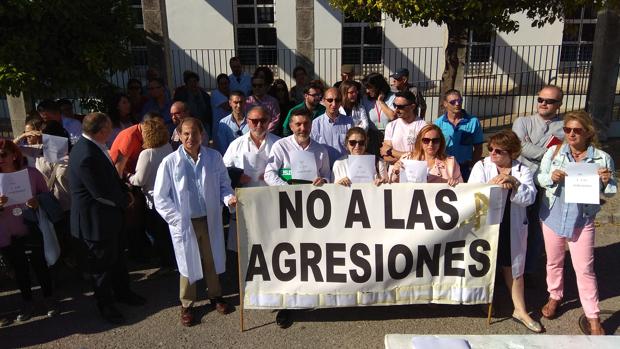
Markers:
point(157, 323)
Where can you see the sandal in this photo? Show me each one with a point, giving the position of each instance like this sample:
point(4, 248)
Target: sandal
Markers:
point(549, 310)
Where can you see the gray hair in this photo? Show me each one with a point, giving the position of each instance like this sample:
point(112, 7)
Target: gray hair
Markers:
point(256, 109)
point(94, 122)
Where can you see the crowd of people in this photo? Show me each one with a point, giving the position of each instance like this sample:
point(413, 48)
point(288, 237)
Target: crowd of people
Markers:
point(154, 176)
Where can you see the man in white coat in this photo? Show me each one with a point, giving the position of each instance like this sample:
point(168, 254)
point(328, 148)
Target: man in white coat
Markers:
point(250, 153)
point(190, 187)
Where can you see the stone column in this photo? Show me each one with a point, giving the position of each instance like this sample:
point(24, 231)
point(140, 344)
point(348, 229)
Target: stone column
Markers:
point(605, 57)
point(305, 34)
point(156, 29)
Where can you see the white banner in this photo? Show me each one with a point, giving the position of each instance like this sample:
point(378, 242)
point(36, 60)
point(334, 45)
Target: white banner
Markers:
point(333, 246)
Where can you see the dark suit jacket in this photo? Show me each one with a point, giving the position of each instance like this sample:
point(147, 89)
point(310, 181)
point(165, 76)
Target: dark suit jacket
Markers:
point(98, 196)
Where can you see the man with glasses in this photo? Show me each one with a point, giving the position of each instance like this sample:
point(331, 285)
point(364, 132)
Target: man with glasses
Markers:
point(400, 133)
point(158, 101)
point(313, 92)
point(462, 131)
point(330, 129)
point(400, 82)
point(234, 125)
point(260, 97)
point(537, 133)
point(179, 111)
point(249, 153)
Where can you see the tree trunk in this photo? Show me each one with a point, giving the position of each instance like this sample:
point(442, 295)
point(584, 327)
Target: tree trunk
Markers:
point(455, 56)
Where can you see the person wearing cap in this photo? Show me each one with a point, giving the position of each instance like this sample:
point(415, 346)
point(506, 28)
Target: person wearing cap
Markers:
point(347, 73)
point(400, 82)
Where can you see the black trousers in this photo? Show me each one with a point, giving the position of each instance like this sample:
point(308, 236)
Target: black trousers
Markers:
point(162, 242)
point(15, 255)
point(105, 261)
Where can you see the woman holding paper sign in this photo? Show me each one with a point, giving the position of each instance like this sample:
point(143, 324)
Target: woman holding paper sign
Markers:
point(502, 168)
point(16, 237)
point(564, 221)
point(355, 141)
point(430, 146)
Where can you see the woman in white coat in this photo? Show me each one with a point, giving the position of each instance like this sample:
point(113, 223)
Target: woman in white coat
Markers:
point(190, 187)
point(502, 168)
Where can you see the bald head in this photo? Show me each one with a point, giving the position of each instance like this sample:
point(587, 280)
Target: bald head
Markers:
point(179, 111)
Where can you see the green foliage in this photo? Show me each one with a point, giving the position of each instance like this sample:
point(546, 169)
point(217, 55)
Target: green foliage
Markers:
point(53, 45)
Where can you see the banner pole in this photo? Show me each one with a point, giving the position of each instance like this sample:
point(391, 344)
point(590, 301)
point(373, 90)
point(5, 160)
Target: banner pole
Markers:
point(239, 264)
point(489, 314)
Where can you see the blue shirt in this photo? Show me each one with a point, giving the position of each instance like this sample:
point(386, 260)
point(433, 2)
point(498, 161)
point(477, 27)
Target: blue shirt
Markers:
point(332, 134)
point(460, 139)
point(228, 131)
point(196, 191)
point(563, 218)
point(151, 105)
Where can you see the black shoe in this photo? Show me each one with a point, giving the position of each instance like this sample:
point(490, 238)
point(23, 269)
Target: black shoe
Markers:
point(110, 314)
point(131, 298)
point(283, 318)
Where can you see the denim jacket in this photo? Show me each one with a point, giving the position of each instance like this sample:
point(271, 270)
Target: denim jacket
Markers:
point(550, 163)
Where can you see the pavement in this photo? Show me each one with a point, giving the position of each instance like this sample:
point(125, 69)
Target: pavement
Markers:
point(157, 324)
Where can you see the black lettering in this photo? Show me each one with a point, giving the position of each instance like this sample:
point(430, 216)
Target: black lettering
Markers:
point(425, 258)
point(379, 262)
point(327, 208)
point(360, 262)
point(295, 212)
point(257, 255)
point(357, 200)
point(331, 262)
point(419, 201)
point(288, 263)
point(390, 222)
point(450, 256)
point(310, 263)
point(479, 257)
point(394, 252)
point(446, 208)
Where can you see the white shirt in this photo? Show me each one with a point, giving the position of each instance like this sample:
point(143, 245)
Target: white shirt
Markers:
point(146, 170)
point(402, 134)
point(375, 114)
point(244, 144)
point(244, 85)
point(279, 158)
point(341, 169)
point(359, 116)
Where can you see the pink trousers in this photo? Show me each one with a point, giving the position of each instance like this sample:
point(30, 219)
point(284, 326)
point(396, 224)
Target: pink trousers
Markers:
point(581, 247)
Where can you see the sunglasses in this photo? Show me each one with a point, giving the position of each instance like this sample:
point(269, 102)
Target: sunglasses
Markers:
point(431, 140)
point(331, 100)
point(353, 143)
point(258, 121)
point(458, 101)
point(315, 95)
point(497, 151)
point(547, 100)
point(401, 106)
point(577, 130)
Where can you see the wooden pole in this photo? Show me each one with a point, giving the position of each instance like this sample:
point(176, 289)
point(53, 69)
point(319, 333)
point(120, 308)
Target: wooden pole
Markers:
point(489, 314)
point(239, 265)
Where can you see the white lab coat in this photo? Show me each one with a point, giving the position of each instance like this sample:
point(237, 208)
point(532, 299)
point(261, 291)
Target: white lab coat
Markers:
point(171, 201)
point(483, 171)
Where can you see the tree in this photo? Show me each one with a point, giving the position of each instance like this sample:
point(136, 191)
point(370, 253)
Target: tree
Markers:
point(54, 45)
point(460, 16)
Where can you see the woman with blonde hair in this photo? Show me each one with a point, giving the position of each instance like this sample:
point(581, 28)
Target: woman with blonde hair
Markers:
point(518, 191)
point(356, 140)
point(573, 223)
point(430, 146)
point(156, 148)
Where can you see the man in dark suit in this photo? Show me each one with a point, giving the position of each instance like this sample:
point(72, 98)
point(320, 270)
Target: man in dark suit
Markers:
point(98, 202)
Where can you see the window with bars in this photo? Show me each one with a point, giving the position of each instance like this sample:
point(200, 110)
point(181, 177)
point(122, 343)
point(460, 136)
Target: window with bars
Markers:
point(138, 47)
point(362, 42)
point(256, 37)
point(480, 51)
point(578, 35)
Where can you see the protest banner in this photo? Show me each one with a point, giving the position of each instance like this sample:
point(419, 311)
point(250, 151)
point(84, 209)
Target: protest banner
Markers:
point(333, 246)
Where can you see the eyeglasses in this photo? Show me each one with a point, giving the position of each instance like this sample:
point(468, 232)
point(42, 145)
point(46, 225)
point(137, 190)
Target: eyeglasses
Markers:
point(547, 100)
point(258, 85)
point(316, 95)
point(135, 87)
point(258, 121)
point(429, 140)
point(353, 143)
point(497, 151)
point(401, 106)
point(154, 87)
point(458, 101)
point(331, 100)
point(577, 130)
